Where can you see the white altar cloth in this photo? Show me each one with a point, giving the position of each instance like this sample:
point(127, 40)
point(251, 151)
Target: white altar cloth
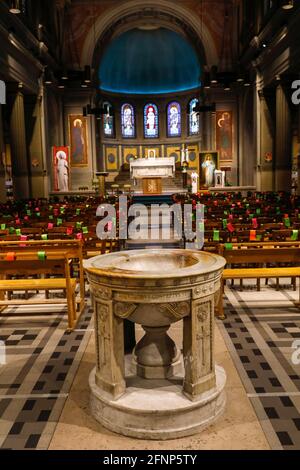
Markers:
point(153, 168)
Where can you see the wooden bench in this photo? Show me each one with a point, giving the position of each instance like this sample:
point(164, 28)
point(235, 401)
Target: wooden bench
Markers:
point(58, 262)
point(262, 255)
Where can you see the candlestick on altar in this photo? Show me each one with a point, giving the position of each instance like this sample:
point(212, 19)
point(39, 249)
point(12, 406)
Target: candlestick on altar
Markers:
point(182, 156)
point(187, 155)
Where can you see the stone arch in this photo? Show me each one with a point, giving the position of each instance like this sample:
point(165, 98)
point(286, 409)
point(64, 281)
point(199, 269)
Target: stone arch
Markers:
point(105, 23)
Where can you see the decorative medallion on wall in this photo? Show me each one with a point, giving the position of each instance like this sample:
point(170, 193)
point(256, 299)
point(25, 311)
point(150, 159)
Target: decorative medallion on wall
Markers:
point(192, 155)
point(224, 134)
point(78, 138)
point(129, 157)
point(176, 156)
point(111, 158)
point(129, 153)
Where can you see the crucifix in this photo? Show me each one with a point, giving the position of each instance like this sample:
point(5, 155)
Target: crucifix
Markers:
point(104, 336)
point(202, 334)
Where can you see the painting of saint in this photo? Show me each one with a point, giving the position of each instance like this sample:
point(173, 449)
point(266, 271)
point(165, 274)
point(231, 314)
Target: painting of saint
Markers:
point(151, 121)
point(174, 120)
point(61, 169)
point(128, 121)
point(224, 135)
point(208, 165)
point(78, 140)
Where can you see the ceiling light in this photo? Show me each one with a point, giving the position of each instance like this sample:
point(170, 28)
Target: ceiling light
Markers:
point(64, 74)
point(87, 74)
point(287, 4)
point(213, 75)
point(15, 7)
point(48, 77)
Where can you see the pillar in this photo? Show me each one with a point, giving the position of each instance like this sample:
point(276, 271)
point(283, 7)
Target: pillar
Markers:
point(198, 348)
point(19, 147)
point(283, 152)
point(2, 150)
point(265, 146)
point(110, 372)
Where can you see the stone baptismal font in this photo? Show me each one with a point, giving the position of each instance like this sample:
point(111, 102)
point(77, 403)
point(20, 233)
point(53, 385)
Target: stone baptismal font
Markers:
point(158, 392)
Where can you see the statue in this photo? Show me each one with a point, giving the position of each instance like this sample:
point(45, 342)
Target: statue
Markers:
point(195, 178)
point(62, 171)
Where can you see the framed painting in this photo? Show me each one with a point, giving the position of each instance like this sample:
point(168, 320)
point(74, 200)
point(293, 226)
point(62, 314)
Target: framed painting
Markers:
point(78, 141)
point(224, 134)
point(209, 163)
point(61, 168)
point(151, 152)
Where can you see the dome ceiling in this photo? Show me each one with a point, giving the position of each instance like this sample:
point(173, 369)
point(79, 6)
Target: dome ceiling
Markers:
point(149, 61)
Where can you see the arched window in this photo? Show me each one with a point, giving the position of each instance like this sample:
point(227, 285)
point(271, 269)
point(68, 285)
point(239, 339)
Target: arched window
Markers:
point(151, 121)
point(174, 119)
point(108, 120)
point(128, 121)
point(194, 118)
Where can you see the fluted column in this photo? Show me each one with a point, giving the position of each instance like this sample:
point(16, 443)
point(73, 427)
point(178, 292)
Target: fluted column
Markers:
point(19, 148)
point(283, 150)
point(2, 150)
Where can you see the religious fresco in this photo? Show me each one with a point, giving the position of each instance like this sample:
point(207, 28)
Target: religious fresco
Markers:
point(224, 134)
point(194, 118)
point(174, 119)
point(78, 141)
point(128, 121)
point(61, 169)
point(151, 129)
point(209, 162)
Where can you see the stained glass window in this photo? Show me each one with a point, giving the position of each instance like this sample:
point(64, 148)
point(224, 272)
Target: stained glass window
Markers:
point(151, 121)
point(108, 121)
point(128, 121)
point(174, 119)
point(194, 118)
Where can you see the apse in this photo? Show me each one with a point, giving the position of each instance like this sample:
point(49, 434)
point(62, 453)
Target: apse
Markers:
point(156, 61)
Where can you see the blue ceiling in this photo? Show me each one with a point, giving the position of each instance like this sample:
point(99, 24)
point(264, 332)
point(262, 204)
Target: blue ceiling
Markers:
point(149, 62)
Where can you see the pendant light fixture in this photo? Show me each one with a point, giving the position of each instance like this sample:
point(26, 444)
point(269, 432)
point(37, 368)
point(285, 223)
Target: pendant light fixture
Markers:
point(287, 4)
point(15, 7)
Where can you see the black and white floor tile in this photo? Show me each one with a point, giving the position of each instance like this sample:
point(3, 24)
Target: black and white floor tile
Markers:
point(42, 359)
point(260, 331)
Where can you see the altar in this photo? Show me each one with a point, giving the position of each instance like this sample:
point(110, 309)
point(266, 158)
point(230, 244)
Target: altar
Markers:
point(152, 171)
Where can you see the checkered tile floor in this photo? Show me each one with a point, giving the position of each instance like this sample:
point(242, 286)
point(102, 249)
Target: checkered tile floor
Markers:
point(260, 331)
point(41, 362)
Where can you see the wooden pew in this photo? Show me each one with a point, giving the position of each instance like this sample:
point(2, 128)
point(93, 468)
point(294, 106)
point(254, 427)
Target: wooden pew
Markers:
point(263, 254)
point(60, 255)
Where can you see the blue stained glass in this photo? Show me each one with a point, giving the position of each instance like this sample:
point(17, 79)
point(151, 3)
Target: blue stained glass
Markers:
point(151, 121)
point(174, 119)
point(194, 118)
point(108, 125)
point(128, 121)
